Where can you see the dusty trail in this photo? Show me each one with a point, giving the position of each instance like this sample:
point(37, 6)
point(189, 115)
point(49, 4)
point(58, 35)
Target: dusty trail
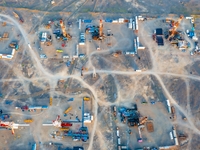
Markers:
point(52, 79)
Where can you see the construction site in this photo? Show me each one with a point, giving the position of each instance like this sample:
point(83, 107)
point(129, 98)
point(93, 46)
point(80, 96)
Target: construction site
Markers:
point(93, 81)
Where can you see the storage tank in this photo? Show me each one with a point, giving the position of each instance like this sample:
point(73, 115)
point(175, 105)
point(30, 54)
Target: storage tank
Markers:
point(133, 24)
point(171, 135)
point(119, 141)
point(176, 141)
point(117, 133)
point(79, 24)
point(174, 133)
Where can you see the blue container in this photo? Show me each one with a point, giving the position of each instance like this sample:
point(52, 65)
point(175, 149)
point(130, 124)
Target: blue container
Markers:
point(87, 21)
point(56, 31)
point(108, 20)
point(68, 63)
point(70, 100)
point(44, 107)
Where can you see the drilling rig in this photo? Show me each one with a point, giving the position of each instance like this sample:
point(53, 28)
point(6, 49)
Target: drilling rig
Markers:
point(175, 25)
point(65, 34)
point(99, 35)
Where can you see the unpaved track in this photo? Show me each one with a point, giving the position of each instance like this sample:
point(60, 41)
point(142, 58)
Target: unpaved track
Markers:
point(154, 71)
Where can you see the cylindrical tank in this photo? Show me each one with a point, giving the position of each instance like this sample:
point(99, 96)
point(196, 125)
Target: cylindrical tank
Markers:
point(169, 109)
point(171, 135)
point(174, 133)
point(176, 141)
point(168, 103)
point(119, 141)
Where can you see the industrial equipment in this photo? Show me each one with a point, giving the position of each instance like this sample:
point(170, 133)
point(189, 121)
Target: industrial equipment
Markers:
point(11, 125)
point(98, 35)
point(86, 98)
point(28, 120)
point(82, 134)
point(68, 110)
point(64, 32)
point(59, 123)
point(117, 53)
point(140, 134)
point(175, 25)
point(50, 101)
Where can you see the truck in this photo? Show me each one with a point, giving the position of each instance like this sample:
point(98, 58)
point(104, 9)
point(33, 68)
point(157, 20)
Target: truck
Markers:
point(14, 45)
point(68, 110)
point(5, 35)
point(86, 98)
point(28, 120)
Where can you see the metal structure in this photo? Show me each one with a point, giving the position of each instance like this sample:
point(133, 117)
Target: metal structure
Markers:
point(11, 125)
point(175, 25)
point(65, 34)
point(59, 123)
point(82, 134)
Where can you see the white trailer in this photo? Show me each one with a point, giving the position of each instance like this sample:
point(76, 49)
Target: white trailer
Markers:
point(130, 25)
point(79, 24)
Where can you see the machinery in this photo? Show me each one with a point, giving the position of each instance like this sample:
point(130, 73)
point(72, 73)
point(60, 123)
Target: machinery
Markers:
point(140, 134)
point(28, 120)
point(98, 35)
point(82, 134)
point(68, 110)
point(117, 53)
point(61, 124)
point(11, 125)
point(175, 25)
point(50, 101)
point(64, 32)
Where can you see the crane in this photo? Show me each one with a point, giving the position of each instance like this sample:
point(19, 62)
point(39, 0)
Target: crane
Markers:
point(11, 125)
point(65, 34)
point(175, 26)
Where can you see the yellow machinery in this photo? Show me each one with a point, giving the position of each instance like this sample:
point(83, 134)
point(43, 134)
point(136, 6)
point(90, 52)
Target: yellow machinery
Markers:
point(50, 101)
point(64, 129)
point(28, 120)
point(68, 110)
point(86, 98)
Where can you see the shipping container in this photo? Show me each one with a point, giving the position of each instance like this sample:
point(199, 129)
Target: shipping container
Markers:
point(130, 25)
point(87, 21)
point(119, 141)
point(44, 107)
point(121, 20)
point(115, 21)
point(108, 20)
